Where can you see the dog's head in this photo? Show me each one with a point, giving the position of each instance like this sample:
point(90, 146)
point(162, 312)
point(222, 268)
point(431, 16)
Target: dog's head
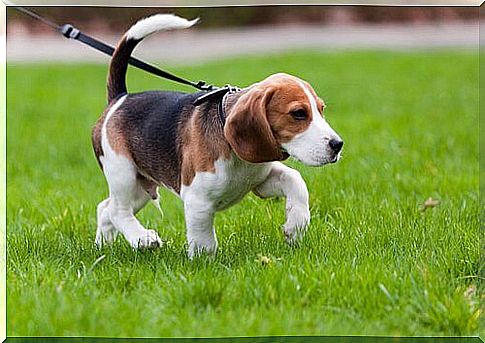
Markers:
point(278, 117)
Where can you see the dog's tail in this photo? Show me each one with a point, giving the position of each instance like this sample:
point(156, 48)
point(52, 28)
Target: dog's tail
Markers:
point(122, 53)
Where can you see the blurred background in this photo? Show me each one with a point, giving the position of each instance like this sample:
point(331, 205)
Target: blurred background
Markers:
point(226, 31)
point(116, 19)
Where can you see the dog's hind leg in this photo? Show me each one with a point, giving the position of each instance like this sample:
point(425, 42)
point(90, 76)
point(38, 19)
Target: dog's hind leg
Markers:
point(106, 232)
point(127, 197)
point(126, 193)
point(287, 182)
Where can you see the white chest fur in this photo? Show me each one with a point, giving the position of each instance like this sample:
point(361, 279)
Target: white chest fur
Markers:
point(232, 180)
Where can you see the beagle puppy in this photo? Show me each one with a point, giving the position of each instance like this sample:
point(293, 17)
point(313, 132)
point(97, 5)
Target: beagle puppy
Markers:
point(160, 138)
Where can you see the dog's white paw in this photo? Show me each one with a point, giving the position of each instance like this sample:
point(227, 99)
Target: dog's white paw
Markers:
point(297, 220)
point(200, 248)
point(105, 237)
point(146, 240)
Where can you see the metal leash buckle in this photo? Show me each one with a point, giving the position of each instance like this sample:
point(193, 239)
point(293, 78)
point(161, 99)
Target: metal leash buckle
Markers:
point(232, 89)
point(218, 93)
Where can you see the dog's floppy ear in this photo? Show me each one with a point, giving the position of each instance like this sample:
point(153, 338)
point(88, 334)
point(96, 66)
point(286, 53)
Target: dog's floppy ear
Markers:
point(247, 128)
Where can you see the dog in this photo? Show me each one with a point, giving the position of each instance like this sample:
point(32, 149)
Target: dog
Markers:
point(210, 155)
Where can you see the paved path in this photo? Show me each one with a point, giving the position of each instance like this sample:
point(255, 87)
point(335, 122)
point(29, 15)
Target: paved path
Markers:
point(197, 45)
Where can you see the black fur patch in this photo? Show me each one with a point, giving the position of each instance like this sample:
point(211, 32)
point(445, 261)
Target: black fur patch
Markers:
point(150, 122)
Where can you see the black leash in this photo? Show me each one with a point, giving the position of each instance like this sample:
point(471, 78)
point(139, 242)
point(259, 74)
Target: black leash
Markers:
point(71, 32)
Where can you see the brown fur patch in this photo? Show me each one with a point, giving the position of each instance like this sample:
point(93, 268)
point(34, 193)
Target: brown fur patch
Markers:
point(96, 133)
point(116, 135)
point(96, 139)
point(289, 96)
point(261, 119)
point(248, 130)
point(320, 103)
point(202, 143)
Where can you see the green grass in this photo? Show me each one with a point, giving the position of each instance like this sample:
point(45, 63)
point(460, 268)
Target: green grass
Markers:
point(372, 261)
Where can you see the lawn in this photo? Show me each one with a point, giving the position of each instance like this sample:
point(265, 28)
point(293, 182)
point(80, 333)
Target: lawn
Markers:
point(373, 262)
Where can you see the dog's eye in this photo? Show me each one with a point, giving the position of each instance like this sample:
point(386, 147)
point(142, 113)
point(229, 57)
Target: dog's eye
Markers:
point(299, 114)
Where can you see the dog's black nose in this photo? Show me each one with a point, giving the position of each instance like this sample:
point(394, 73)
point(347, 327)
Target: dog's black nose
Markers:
point(336, 145)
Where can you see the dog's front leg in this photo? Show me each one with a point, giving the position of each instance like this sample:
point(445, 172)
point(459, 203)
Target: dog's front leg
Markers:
point(199, 220)
point(287, 182)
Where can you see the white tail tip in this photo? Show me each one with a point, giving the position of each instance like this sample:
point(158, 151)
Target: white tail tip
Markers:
point(158, 22)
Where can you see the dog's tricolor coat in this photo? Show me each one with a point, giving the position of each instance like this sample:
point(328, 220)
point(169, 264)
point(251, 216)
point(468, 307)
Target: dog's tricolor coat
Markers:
point(155, 138)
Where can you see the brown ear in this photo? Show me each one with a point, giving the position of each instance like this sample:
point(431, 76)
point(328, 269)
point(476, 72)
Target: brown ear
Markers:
point(248, 131)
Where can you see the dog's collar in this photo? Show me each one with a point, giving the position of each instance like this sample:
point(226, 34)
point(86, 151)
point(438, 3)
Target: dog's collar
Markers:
point(219, 95)
point(221, 109)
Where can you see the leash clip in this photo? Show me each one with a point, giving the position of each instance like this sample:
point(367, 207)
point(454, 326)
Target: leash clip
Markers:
point(69, 31)
point(217, 93)
point(232, 89)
